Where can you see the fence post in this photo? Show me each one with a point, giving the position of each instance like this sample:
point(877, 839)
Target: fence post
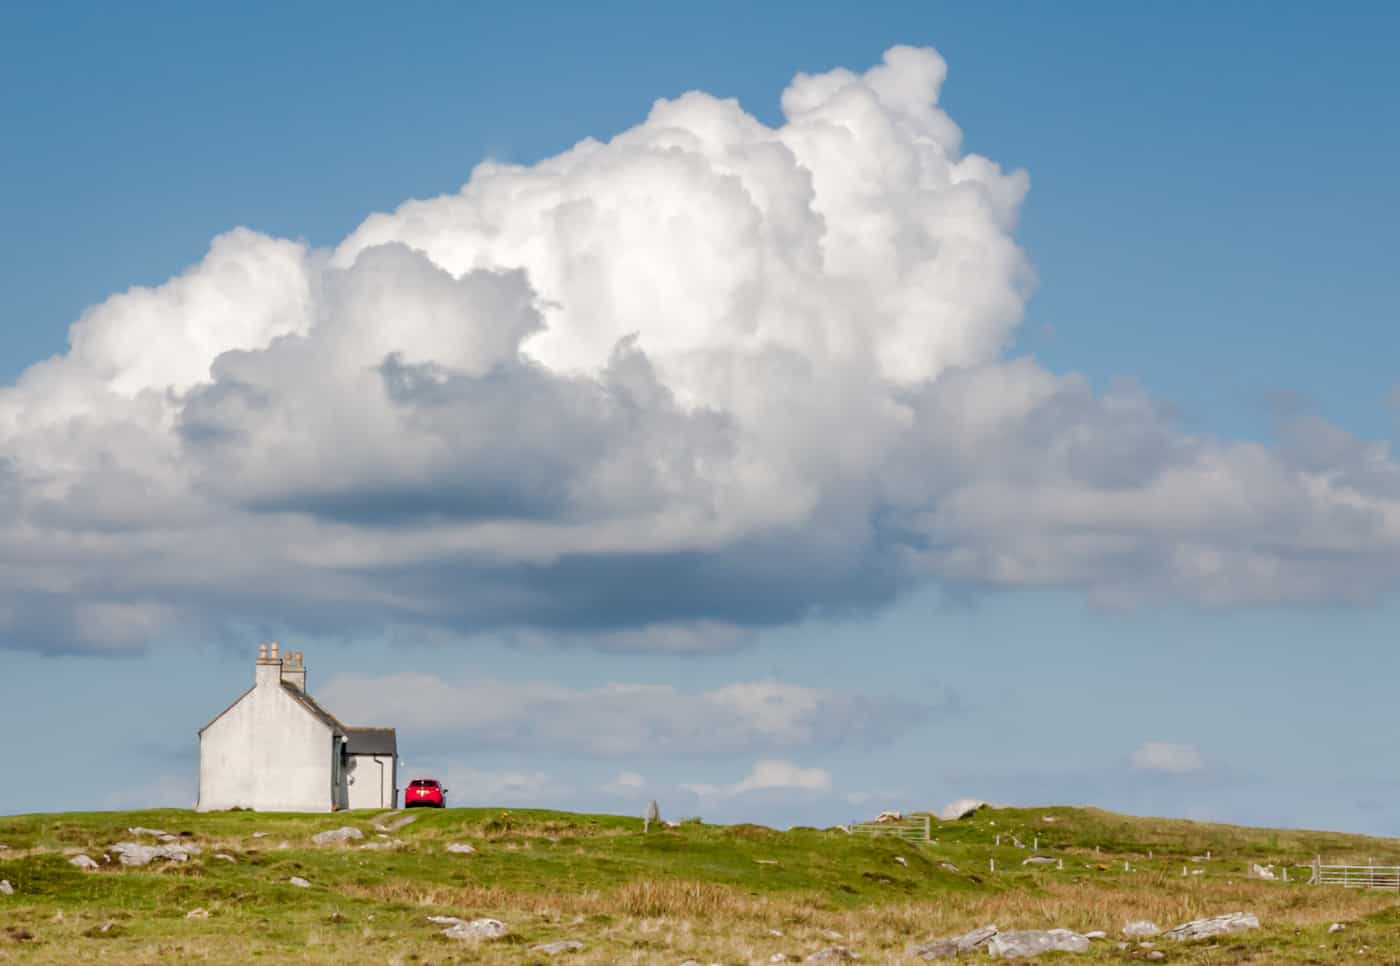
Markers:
point(928, 828)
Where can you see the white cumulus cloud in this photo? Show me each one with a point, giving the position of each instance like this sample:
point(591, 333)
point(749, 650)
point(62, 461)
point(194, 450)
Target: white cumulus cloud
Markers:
point(657, 392)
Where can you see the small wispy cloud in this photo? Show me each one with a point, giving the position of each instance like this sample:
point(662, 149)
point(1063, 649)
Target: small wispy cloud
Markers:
point(1166, 757)
point(769, 775)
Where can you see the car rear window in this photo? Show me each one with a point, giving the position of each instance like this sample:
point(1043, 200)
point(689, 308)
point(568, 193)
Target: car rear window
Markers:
point(423, 783)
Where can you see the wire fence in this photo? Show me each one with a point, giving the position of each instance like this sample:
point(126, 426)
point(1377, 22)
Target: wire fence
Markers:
point(916, 828)
point(1357, 876)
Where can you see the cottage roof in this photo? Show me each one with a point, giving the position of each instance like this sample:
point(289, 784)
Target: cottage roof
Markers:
point(309, 703)
point(372, 741)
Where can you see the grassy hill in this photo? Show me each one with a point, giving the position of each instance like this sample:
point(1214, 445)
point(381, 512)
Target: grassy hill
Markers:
point(723, 894)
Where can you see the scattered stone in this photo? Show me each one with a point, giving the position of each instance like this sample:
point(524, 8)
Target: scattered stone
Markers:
point(1038, 860)
point(476, 929)
point(1096, 934)
point(1033, 942)
point(766, 861)
point(961, 808)
point(391, 844)
point(1141, 927)
point(947, 948)
point(1048, 818)
point(1214, 926)
point(833, 954)
point(1257, 871)
point(1335, 927)
point(299, 882)
point(776, 932)
point(948, 867)
point(778, 958)
point(395, 823)
point(200, 913)
point(461, 848)
point(901, 860)
point(1156, 955)
point(562, 946)
point(338, 836)
point(135, 854)
point(138, 830)
point(832, 934)
point(259, 835)
point(5, 888)
point(83, 862)
point(224, 856)
point(1017, 842)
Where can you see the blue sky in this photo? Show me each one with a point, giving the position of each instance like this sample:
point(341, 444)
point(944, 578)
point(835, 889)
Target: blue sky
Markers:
point(1209, 220)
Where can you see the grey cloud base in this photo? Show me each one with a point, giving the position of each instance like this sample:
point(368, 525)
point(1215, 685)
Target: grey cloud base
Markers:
point(656, 393)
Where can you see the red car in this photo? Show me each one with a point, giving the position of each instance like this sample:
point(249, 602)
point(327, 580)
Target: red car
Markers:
point(425, 793)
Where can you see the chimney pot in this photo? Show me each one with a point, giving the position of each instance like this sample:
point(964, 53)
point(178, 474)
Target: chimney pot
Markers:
point(262, 652)
point(273, 648)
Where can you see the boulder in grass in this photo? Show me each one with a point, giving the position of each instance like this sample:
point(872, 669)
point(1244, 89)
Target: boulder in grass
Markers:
point(833, 954)
point(83, 862)
point(557, 947)
point(136, 854)
point(477, 929)
point(299, 882)
point(1214, 926)
point(972, 941)
point(200, 913)
point(461, 848)
point(5, 888)
point(1032, 942)
point(338, 836)
point(1141, 929)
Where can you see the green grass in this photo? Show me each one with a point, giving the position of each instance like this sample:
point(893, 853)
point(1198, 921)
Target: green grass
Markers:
point(715, 892)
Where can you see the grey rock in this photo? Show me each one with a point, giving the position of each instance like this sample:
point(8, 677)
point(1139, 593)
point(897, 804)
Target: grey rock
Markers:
point(5, 888)
point(224, 856)
point(1140, 928)
point(461, 848)
point(259, 835)
point(1038, 860)
point(475, 929)
point(83, 862)
point(138, 830)
point(136, 854)
point(936, 949)
point(1033, 942)
point(1214, 926)
point(1096, 934)
point(901, 860)
point(561, 946)
point(299, 882)
point(833, 954)
point(948, 867)
point(974, 940)
point(338, 836)
point(200, 913)
point(1335, 927)
point(391, 844)
point(1156, 954)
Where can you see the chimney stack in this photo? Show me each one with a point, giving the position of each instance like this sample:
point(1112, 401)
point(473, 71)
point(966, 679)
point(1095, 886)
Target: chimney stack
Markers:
point(294, 671)
point(268, 670)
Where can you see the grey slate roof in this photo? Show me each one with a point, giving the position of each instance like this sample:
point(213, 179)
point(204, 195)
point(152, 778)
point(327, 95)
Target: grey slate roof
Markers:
point(309, 703)
point(372, 741)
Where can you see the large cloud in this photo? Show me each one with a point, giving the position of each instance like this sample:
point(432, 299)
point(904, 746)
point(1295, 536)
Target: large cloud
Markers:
point(655, 392)
point(624, 720)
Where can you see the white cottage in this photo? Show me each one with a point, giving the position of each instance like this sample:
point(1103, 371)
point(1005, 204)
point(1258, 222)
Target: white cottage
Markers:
point(276, 750)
